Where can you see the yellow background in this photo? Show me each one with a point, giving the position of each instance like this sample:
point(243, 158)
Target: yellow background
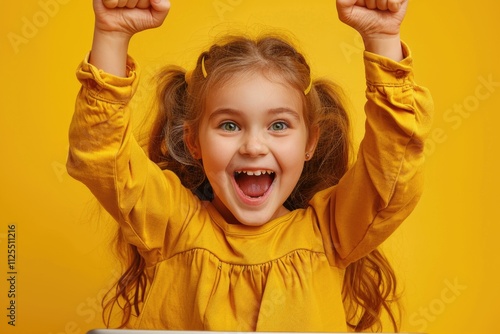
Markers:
point(446, 253)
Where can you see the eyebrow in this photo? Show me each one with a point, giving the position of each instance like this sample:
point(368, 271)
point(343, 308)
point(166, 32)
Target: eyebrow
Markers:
point(273, 111)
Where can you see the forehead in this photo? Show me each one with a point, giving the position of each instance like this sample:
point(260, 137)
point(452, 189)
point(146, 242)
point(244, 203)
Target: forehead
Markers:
point(254, 92)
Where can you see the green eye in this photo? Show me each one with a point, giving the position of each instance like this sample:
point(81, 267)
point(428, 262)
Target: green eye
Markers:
point(279, 126)
point(229, 126)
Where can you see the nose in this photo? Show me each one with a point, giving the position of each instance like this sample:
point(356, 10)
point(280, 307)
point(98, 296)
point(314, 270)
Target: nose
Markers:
point(254, 145)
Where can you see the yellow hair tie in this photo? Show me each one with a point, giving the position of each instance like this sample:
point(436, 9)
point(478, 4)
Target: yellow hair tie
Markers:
point(308, 89)
point(203, 69)
point(189, 74)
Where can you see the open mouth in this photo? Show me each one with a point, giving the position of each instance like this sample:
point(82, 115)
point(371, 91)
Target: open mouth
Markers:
point(255, 183)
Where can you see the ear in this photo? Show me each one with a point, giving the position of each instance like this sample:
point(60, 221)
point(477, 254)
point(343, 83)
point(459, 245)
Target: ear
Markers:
point(191, 141)
point(312, 143)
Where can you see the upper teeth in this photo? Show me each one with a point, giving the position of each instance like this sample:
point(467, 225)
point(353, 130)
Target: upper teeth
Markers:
point(255, 172)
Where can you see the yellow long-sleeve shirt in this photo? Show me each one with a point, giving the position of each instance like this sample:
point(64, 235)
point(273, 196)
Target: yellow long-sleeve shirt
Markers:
point(283, 276)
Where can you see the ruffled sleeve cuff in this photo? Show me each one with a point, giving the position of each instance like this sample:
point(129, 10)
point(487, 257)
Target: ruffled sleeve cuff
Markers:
point(107, 87)
point(380, 70)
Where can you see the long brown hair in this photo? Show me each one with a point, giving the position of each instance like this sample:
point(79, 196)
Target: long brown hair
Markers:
point(370, 284)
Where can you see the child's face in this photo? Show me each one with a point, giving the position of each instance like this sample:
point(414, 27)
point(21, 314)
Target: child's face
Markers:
point(252, 125)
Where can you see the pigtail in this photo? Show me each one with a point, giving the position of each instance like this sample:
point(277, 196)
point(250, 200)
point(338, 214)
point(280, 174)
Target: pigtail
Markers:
point(171, 93)
point(167, 143)
point(370, 285)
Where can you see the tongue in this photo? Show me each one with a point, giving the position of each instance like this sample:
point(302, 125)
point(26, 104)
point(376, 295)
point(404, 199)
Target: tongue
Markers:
point(254, 186)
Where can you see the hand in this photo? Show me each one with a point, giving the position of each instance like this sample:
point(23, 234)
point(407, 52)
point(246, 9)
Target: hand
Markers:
point(378, 22)
point(373, 18)
point(128, 17)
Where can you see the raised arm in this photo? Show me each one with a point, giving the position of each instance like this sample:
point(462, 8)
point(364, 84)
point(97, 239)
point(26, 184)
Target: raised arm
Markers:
point(103, 153)
point(385, 183)
point(116, 21)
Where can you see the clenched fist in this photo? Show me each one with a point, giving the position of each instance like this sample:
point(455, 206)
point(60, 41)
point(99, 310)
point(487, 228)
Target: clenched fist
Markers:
point(129, 16)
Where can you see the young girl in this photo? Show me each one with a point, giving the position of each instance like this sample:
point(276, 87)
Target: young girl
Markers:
point(244, 215)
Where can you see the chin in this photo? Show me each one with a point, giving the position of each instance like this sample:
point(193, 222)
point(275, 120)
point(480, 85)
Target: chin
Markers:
point(256, 218)
point(248, 219)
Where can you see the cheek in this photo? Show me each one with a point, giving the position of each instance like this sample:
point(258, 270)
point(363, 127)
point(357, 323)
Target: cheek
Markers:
point(215, 155)
point(292, 155)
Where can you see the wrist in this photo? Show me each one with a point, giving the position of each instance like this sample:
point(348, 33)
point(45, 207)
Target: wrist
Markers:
point(109, 51)
point(111, 36)
point(385, 45)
